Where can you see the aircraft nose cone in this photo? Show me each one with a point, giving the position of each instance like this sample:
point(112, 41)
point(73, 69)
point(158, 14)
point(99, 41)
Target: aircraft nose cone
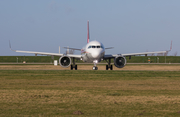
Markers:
point(95, 54)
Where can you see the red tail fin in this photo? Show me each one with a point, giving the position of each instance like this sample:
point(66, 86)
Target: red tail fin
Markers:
point(88, 31)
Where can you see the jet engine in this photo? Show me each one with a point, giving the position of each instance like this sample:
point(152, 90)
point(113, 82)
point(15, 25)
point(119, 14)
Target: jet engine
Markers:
point(65, 61)
point(120, 61)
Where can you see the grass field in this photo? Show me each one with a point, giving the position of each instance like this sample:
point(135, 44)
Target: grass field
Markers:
point(89, 93)
point(134, 67)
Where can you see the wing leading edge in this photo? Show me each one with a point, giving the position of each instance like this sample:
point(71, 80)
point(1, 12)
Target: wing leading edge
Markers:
point(134, 54)
point(144, 53)
point(141, 53)
point(45, 53)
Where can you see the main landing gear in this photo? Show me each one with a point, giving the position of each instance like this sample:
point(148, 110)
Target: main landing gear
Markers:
point(109, 66)
point(73, 65)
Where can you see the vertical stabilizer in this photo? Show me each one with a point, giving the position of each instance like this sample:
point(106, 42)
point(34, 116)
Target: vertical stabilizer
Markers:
point(88, 31)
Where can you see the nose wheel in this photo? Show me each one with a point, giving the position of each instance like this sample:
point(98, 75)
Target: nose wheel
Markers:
point(95, 68)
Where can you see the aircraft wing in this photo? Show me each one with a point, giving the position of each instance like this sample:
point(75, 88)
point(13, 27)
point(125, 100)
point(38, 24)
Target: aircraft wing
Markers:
point(133, 54)
point(142, 53)
point(46, 53)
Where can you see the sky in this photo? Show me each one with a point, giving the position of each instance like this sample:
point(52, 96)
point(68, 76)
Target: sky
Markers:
point(130, 26)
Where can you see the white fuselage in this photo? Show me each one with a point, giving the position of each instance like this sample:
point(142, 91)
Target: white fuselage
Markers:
point(93, 52)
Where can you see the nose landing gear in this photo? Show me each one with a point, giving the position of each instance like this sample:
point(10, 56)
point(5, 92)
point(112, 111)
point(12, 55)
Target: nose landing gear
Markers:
point(95, 67)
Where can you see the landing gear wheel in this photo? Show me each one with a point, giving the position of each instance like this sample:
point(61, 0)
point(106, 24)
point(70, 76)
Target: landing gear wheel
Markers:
point(106, 67)
point(111, 67)
point(75, 67)
point(95, 68)
point(71, 67)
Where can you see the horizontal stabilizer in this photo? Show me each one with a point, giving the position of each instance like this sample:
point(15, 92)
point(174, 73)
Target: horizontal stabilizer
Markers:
point(72, 48)
point(109, 48)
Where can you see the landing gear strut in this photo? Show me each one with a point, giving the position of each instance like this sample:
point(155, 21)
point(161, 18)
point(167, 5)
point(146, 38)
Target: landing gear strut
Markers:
point(95, 67)
point(73, 65)
point(109, 66)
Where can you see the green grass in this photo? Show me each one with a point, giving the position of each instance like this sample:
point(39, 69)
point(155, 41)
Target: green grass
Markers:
point(154, 59)
point(31, 59)
point(94, 93)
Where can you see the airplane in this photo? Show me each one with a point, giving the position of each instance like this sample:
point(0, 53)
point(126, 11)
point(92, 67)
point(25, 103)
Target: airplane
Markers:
point(93, 52)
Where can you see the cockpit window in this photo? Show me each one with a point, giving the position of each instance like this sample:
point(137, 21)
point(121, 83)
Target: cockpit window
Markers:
point(95, 46)
point(89, 47)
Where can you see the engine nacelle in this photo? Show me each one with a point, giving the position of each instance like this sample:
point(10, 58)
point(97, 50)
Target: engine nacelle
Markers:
point(65, 61)
point(120, 61)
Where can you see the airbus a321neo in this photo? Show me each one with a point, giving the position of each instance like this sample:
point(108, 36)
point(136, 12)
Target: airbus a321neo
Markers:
point(93, 52)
